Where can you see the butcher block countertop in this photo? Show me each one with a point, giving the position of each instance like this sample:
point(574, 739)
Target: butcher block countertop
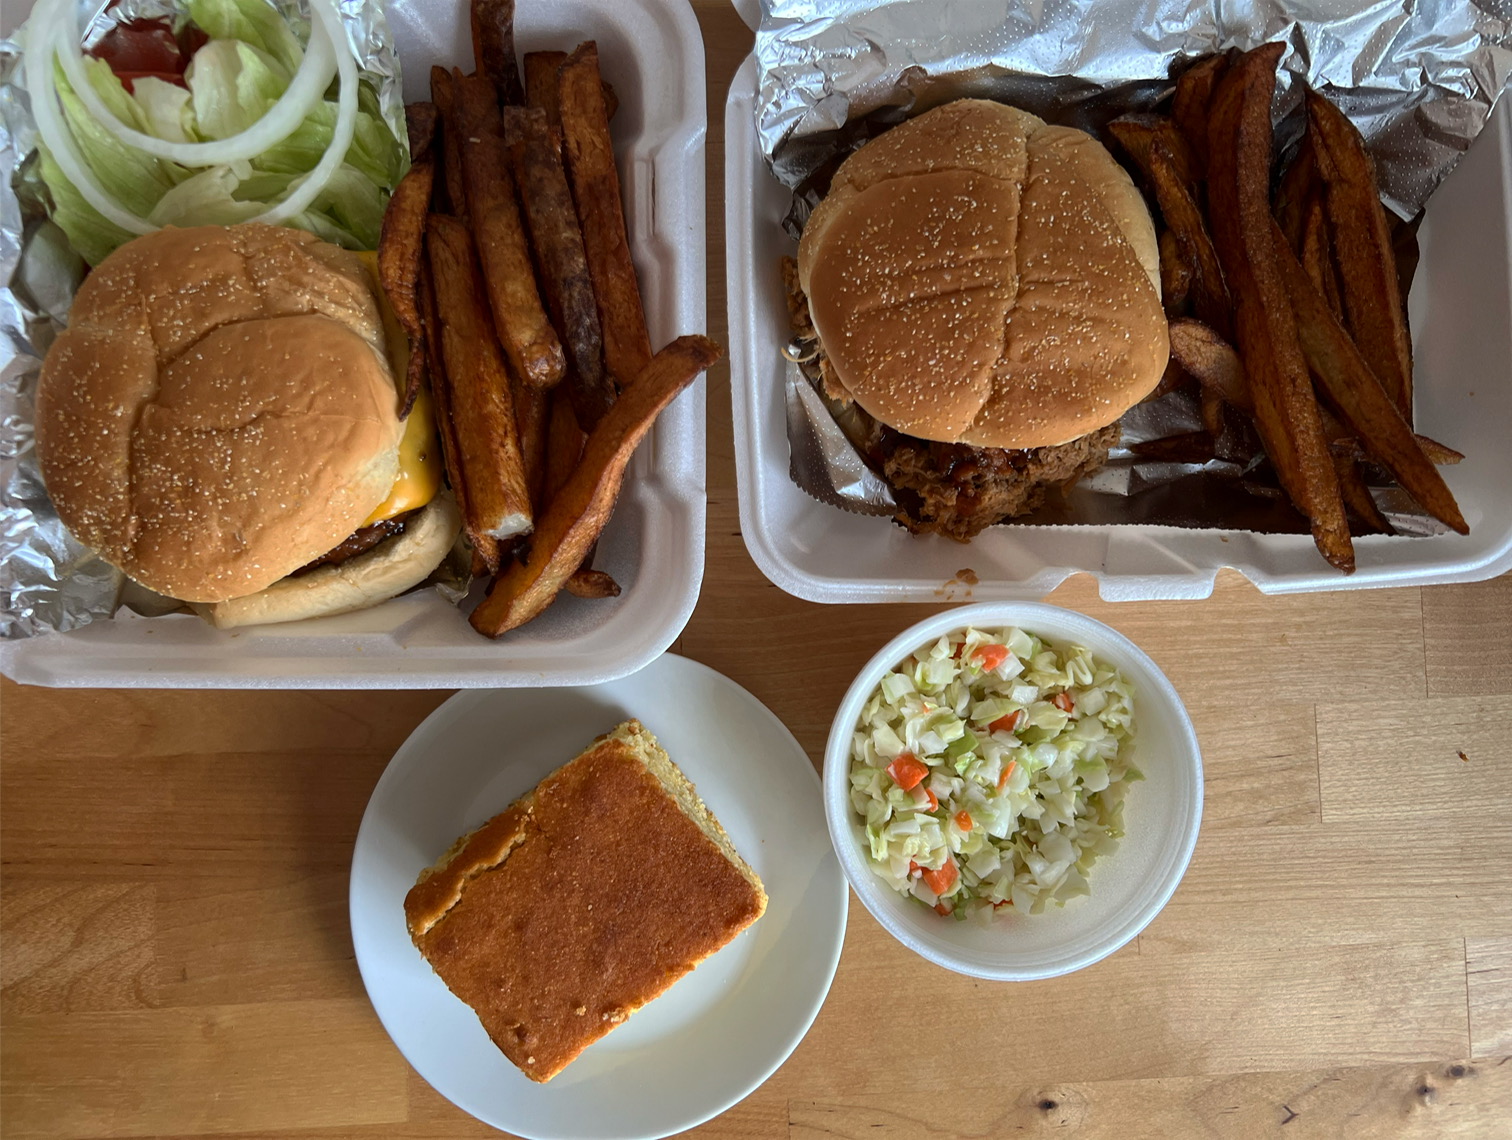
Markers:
point(176, 959)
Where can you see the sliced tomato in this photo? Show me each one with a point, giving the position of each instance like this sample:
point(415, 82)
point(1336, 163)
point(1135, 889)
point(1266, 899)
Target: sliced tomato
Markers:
point(142, 47)
point(907, 771)
point(989, 657)
point(942, 880)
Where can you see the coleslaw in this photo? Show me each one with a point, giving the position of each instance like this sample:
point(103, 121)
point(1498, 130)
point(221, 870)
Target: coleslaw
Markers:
point(990, 770)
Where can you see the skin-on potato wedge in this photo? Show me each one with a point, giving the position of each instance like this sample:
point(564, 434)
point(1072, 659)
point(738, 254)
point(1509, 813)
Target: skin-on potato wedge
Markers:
point(592, 584)
point(1137, 133)
point(445, 101)
point(1209, 293)
point(1317, 258)
point(1357, 496)
point(1360, 400)
point(494, 48)
point(600, 209)
point(1193, 447)
point(541, 83)
point(1286, 411)
point(1361, 240)
point(564, 444)
point(1175, 275)
point(528, 338)
point(478, 396)
point(1212, 360)
point(1189, 106)
point(401, 247)
point(532, 408)
point(576, 516)
point(1299, 188)
point(420, 125)
point(536, 158)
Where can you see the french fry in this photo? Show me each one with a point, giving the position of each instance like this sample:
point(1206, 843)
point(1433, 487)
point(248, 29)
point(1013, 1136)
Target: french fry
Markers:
point(1175, 275)
point(600, 209)
point(541, 83)
point(430, 320)
point(1356, 393)
point(592, 584)
point(1286, 411)
point(444, 98)
point(1189, 106)
point(401, 247)
point(1212, 360)
point(528, 338)
point(1440, 455)
point(1299, 188)
point(1317, 258)
point(420, 125)
point(572, 522)
point(494, 48)
point(564, 444)
point(1361, 239)
point(532, 407)
point(1209, 293)
point(536, 159)
point(478, 396)
point(1192, 447)
point(1357, 497)
point(1138, 133)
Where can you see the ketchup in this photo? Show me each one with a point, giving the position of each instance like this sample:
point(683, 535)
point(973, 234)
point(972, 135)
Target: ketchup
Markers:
point(135, 49)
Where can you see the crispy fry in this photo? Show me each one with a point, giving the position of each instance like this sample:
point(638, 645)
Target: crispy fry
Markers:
point(1189, 106)
point(1209, 293)
point(478, 396)
point(536, 159)
point(1138, 133)
point(420, 125)
point(1361, 240)
point(528, 338)
point(541, 83)
point(1405, 251)
point(1211, 359)
point(430, 321)
point(1175, 275)
point(1317, 258)
point(592, 584)
point(1193, 447)
point(571, 524)
point(596, 190)
point(1440, 455)
point(1357, 497)
point(1298, 189)
point(444, 97)
point(494, 49)
point(1174, 376)
point(564, 444)
point(1362, 403)
point(401, 247)
point(532, 407)
point(1286, 411)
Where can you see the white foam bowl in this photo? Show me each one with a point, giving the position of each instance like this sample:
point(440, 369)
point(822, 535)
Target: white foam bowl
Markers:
point(1161, 816)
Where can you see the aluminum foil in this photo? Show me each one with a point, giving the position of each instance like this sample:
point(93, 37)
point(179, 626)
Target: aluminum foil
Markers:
point(1419, 79)
point(48, 581)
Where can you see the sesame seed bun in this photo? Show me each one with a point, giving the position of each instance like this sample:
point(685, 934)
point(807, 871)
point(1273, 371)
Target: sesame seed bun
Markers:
point(220, 410)
point(978, 276)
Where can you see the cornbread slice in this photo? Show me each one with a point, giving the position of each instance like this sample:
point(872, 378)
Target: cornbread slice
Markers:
point(582, 901)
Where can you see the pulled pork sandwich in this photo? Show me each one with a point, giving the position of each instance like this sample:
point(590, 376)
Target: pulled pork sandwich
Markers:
point(220, 420)
point(984, 289)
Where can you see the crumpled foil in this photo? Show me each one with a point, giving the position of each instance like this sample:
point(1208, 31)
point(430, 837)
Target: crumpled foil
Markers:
point(48, 581)
point(1419, 80)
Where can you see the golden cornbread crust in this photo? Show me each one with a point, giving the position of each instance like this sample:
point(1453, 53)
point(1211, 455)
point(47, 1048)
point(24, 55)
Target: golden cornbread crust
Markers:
point(582, 901)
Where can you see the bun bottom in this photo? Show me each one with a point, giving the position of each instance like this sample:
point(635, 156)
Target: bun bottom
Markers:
point(390, 568)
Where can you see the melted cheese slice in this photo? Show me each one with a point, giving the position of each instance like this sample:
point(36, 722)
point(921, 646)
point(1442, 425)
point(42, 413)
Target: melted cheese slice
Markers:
point(420, 464)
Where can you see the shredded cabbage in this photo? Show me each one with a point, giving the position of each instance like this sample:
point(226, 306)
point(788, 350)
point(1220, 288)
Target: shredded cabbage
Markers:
point(990, 769)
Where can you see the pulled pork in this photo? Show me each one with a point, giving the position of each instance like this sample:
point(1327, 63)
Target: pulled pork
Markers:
point(952, 489)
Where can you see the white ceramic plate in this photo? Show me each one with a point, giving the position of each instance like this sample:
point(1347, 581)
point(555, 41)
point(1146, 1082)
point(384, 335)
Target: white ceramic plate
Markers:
point(717, 1033)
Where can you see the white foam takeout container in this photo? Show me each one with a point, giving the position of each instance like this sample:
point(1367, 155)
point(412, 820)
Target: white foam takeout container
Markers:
point(652, 53)
point(1461, 316)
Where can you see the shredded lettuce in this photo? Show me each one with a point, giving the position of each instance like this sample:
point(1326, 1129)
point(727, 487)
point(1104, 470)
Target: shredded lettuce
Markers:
point(233, 80)
point(1027, 792)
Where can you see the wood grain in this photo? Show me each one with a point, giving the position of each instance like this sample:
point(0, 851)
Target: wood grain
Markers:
point(1337, 962)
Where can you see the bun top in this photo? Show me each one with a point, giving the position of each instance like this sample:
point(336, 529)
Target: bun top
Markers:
point(220, 410)
point(978, 276)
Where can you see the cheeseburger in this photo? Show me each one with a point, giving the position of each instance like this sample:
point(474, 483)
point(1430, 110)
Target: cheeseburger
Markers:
point(220, 420)
point(985, 291)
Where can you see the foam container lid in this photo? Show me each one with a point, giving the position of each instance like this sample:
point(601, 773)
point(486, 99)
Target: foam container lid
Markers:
point(652, 53)
point(1461, 316)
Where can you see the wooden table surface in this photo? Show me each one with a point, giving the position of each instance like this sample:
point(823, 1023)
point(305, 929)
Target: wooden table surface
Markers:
point(1338, 961)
